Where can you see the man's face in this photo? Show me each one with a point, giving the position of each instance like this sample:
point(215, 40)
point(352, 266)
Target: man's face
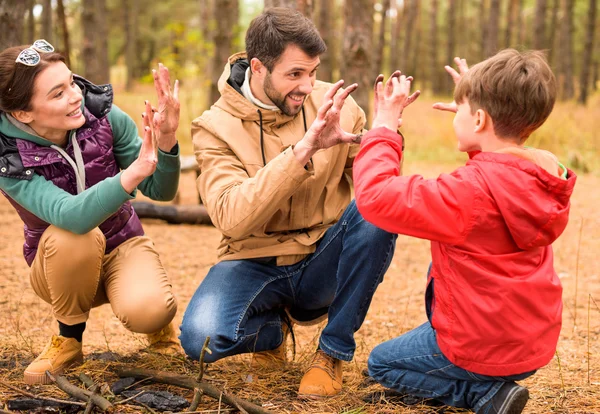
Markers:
point(291, 79)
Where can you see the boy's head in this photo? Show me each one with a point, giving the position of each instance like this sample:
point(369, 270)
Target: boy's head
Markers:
point(516, 90)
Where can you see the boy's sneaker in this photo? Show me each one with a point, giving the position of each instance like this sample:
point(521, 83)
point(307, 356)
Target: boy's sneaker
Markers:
point(510, 399)
point(60, 354)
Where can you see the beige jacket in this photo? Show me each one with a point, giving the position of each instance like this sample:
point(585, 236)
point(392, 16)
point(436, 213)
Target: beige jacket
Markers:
point(280, 209)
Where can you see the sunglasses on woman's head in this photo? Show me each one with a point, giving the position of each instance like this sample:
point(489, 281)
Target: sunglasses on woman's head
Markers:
point(30, 56)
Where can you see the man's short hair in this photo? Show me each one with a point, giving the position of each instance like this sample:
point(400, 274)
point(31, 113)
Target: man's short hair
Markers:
point(271, 32)
point(517, 89)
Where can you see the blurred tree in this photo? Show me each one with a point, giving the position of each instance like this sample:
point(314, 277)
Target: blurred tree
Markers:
point(224, 16)
point(325, 25)
point(12, 14)
point(433, 48)
point(484, 29)
point(357, 50)
point(47, 20)
point(411, 8)
point(396, 41)
point(451, 35)
point(66, 49)
point(539, 25)
point(553, 30)
point(303, 6)
point(30, 35)
point(521, 26)
point(378, 56)
point(588, 50)
point(566, 51)
point(102, 39)
point(130, 23)
point(491, 41)
point(94, 56)
point(511, 9)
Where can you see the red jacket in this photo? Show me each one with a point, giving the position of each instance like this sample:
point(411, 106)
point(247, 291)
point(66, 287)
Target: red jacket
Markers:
point(497, 299)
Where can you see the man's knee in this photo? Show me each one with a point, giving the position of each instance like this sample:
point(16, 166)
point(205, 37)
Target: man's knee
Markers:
point(195, 328)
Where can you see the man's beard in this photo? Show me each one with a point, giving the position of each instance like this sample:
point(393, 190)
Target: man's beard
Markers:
point(278, 99)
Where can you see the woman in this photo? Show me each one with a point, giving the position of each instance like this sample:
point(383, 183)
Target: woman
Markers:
point(70, 161)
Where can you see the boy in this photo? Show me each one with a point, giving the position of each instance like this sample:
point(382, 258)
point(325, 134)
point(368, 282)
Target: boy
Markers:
point(493, 299)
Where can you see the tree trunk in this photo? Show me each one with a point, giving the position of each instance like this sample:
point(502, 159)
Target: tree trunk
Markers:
point(410, 13)
point(378, 58)
point(413, 65)
point(595, 76)
point(357, 49)
point(325, 29)
point(511, 9)
point(89, 50)
point(102, 36)
point(223, 37)
point(60, 10)
point(303, 6)
point(539, 25)
point(47, 20)
point(521, 26)
point(491, 41)
point(12, 14)
point(30, 22)
point(587, 53)
point(553, 30)
point(130, 10)
point(566, 55)
point(433, 45)
point(396, 39)
point(451, 41)
point(484, 29)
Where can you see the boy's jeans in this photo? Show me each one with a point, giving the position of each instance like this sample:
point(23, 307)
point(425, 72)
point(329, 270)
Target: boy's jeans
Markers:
point(413, 364)
point(239, 304)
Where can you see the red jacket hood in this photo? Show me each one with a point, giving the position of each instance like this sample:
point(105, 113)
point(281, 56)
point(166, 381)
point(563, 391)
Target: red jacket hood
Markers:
point(533, 202)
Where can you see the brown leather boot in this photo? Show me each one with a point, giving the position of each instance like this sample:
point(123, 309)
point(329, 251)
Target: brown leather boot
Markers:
point(275, 358)
point(165, 341)
point(60, 354)
point(323, 378)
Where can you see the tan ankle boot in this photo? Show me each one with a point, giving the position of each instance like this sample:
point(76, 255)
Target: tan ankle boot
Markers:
point(60, 354)
point(323, 378)
point(165, 341)
point(275, 358)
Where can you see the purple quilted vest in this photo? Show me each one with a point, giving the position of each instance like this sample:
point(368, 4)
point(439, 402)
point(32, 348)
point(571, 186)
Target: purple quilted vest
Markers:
point(96, 142)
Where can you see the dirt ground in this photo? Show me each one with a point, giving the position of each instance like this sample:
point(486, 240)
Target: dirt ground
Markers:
point(569, 384)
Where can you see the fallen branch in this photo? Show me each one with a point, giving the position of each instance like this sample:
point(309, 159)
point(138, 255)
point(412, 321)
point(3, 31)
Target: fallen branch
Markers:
point(38, 397)
point(197, 392)
point(173, 214)
point(191, 384)
point(90, 405)
point(84, 395)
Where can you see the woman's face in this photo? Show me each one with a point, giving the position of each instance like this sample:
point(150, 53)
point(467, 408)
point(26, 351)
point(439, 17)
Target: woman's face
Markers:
point(56, 104)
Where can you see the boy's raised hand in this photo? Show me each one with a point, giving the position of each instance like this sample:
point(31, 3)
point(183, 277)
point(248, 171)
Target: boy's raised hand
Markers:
point(391, 99)
point(456, 76)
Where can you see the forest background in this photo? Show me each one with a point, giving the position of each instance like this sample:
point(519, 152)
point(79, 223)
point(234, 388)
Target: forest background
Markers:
point(119, 41)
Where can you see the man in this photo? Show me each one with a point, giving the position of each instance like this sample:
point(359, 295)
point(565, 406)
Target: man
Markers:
point(295, 248)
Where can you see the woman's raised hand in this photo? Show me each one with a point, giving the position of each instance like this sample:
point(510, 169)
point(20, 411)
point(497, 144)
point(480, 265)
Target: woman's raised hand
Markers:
point(165, 118)
point(147, 160)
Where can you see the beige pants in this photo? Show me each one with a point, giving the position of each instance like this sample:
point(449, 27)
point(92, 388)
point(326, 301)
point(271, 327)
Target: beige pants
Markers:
point(72, 273)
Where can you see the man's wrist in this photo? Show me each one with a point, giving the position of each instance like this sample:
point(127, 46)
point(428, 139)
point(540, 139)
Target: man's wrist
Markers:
point(303, 153)
point(167, 142)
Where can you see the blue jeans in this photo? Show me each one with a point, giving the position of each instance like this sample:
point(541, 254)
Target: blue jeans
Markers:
point(239, 303)
point(413, 364)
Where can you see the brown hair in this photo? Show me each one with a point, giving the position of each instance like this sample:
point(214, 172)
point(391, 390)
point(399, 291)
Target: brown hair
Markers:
point(17, 80)
point(517, 89)
point(272, 31)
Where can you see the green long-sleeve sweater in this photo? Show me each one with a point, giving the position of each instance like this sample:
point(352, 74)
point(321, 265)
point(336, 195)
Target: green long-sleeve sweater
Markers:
point(82, 212)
